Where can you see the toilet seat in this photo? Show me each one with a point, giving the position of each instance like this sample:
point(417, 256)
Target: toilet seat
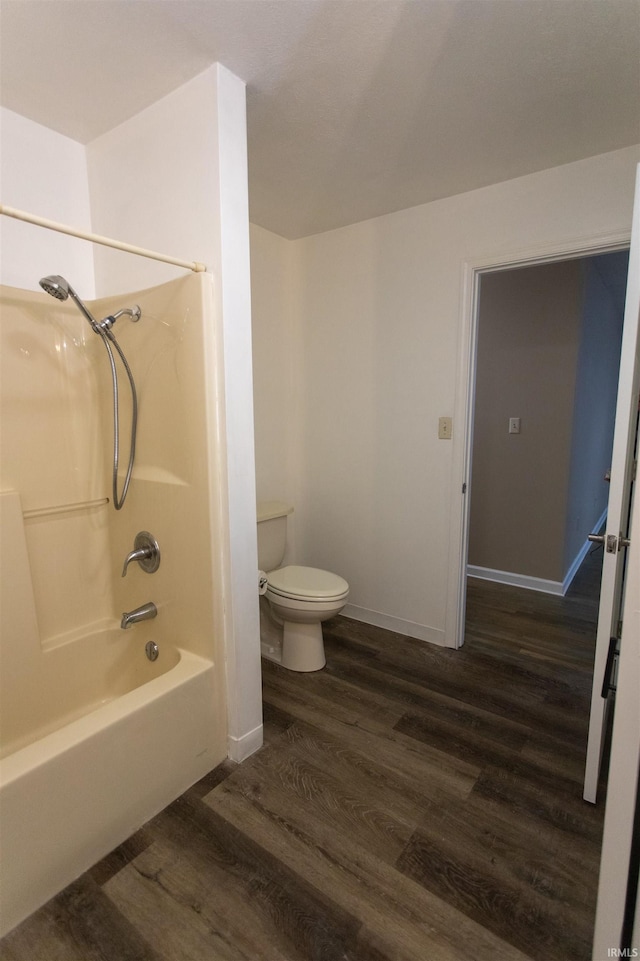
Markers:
point(308, 583)
point(299, 599)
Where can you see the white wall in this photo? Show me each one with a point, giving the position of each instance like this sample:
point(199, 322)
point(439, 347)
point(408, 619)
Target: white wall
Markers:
point(273, 374)
point(383, 352)
point(43, 173)
point(243, 630)
point(174, 179)
point(275, 334)
point(154, 183)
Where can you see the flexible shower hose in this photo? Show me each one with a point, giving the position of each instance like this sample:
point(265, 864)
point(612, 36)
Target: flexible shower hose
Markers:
point(118, 500)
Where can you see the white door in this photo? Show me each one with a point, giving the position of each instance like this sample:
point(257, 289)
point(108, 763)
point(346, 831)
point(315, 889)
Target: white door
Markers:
point(616, 926)
point(622, 466)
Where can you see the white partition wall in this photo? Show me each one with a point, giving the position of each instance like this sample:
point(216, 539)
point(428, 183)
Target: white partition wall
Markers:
point(57, 189)
point(174, 178)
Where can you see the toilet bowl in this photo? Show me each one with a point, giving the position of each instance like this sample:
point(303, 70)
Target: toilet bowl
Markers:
point(301, 598)
point(297, 599)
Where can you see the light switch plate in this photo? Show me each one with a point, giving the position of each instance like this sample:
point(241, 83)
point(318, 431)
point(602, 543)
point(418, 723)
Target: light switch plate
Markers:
point(444, 428)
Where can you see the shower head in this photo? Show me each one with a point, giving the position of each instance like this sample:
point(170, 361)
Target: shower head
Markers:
point(60, 288)
point(56, 286)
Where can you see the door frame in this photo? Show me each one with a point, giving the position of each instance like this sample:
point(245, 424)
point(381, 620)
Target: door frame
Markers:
point(472, 271)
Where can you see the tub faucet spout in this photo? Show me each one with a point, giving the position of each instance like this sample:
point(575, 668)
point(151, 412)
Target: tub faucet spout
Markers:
point(144, 613)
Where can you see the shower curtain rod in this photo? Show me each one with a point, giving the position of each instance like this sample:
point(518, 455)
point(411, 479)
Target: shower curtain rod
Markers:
point(97, 239)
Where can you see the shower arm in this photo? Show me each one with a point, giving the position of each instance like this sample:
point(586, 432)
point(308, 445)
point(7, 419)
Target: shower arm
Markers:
point(133, 312)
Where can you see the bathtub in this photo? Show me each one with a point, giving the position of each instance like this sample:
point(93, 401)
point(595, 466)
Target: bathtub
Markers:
point(47, 685)
point(92, 768)
point(97, 738)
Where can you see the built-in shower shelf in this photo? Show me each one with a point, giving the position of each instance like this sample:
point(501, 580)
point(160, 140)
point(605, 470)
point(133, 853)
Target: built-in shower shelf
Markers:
point(158, 475)
point(65, 508)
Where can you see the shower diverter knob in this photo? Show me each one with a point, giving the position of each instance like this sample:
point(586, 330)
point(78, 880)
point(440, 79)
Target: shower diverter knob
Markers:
point(145, 551)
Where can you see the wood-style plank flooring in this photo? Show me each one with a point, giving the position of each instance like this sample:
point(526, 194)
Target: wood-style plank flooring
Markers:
point(410, 804)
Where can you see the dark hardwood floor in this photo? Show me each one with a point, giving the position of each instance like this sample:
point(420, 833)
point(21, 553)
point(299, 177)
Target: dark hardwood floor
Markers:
point(410, 804)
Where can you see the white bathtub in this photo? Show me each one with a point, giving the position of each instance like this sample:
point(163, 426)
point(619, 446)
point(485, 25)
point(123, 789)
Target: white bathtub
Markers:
point(46, 686)
point(72, 795)
point(98, 739)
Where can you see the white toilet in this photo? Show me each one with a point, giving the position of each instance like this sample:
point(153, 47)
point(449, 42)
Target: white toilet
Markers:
point(297, 599)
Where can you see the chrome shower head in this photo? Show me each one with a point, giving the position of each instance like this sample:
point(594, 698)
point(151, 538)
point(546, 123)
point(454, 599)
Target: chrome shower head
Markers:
point(56, 286)
point(60, 288)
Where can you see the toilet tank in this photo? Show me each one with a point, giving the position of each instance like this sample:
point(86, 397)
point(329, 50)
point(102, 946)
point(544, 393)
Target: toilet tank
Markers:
point(272, 533)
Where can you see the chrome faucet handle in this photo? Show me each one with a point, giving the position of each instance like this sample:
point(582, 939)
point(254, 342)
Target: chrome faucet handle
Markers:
point(145, 551)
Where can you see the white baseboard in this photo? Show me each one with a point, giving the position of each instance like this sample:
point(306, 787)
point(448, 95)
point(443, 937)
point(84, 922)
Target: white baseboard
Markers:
point(271, 652)
point(573, 570)
point(390, 623)
point(240, 748)
point(537, 583)
point(515, 580)
point(582, 553)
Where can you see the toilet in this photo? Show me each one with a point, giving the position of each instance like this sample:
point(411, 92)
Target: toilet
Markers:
point(297, 599)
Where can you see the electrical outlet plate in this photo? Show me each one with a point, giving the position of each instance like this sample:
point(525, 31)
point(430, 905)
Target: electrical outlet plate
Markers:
point(444, 428)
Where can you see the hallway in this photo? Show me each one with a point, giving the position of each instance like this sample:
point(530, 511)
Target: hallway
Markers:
point(411, 803)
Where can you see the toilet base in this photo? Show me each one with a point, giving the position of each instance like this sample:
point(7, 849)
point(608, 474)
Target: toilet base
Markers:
point(303, 647)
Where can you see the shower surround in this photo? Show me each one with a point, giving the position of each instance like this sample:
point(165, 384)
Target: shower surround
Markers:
point(95, 737)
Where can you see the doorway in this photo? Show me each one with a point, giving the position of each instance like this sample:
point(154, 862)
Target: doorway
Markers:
point(474, 272)
point(547, 361)
point(543, 407)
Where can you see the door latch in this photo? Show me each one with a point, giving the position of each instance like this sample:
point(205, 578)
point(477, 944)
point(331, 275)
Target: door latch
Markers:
point(610, 541)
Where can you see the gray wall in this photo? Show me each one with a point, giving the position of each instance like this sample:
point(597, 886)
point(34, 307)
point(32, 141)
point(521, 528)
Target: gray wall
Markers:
point(595, 399)
point(548, 351)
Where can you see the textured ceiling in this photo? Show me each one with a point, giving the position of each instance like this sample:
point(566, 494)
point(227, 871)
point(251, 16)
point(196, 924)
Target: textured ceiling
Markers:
point(355, 107)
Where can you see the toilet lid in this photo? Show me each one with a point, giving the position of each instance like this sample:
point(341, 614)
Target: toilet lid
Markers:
point(309, 582)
